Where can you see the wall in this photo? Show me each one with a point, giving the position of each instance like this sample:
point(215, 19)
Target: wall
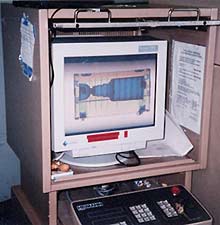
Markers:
point(9, 163)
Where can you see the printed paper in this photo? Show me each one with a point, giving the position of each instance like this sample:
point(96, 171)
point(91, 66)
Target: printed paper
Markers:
point(187, 84)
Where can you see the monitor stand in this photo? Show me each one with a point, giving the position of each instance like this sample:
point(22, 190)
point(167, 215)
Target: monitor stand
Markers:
point(90, 161)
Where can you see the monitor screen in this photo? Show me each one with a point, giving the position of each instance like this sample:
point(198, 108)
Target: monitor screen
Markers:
point(108, 95)
point(99, 89)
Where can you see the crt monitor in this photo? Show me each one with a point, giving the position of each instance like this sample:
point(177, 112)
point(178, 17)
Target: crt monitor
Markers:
point(108, 94)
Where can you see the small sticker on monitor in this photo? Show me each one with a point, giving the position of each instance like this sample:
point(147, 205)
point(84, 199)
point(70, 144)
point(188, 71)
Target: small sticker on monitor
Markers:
point(148, 48)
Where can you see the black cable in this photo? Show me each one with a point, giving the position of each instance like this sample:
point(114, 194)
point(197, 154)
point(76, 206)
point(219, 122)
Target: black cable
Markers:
point(131, 159)
point(51, 66)
point(52, 35)
point(55, 12)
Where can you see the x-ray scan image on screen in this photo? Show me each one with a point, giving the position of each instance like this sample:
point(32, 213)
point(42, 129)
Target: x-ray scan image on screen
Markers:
point(119, 89)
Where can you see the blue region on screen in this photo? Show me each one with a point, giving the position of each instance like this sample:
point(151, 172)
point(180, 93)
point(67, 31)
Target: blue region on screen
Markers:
point(119, 89)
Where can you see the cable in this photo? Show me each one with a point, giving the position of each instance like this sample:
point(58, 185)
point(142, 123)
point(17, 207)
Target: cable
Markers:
point(55, 12)
point(51, 65)
point(58, 157)
point(52, 35)
point(132, 159)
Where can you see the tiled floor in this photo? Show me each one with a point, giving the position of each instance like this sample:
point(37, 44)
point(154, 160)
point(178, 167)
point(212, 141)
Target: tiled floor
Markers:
point(12, 214)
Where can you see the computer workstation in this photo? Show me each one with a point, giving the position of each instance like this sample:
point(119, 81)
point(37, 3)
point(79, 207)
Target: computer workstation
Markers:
point(121, 82)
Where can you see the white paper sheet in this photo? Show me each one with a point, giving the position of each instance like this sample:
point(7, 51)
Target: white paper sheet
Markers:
point(175, 142)
point(187, 84)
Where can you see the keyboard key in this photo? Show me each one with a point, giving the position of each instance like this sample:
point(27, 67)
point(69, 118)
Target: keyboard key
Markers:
point(152, 218)
point(123, 223)
point(146, 219)
point(142, 213)
point(141, 220)
point(132, 208)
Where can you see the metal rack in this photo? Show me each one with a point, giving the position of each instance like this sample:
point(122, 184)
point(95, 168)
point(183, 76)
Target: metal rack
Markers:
point(139, 23)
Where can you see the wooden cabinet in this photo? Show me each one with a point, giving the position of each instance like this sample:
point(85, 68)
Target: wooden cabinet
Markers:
point(206, 182)
point(28, 105)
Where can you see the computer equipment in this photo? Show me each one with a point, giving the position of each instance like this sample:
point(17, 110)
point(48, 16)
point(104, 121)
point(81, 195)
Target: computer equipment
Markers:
point(172, 205)
point(108, 94)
